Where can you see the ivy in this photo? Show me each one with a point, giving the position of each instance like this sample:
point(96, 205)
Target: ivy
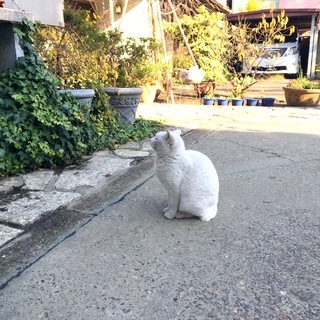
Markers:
point(39, 127)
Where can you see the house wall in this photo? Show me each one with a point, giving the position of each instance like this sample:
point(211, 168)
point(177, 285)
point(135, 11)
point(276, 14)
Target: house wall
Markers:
point(296, 4)
point(136, 19)
point(240, 5)
point(46, 11)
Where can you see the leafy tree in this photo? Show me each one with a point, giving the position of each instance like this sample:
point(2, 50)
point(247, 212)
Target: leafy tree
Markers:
point(221, 48)
point(207, 35)
point(248, 43)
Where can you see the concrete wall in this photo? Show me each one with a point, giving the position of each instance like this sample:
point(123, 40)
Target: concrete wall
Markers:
point(47, 11)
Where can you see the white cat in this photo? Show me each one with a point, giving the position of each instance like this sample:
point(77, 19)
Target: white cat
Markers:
point(189, 177)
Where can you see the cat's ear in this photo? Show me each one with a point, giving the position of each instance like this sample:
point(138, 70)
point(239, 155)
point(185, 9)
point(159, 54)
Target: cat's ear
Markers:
point(168, 135)
point(178, 131)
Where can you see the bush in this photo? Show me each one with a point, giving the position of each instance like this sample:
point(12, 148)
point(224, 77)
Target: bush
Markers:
point(304, 83)
point(207, 35)
point(41, 128)
point(80, 55)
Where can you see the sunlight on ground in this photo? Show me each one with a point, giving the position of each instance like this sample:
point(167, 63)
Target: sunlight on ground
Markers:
point(263, 119)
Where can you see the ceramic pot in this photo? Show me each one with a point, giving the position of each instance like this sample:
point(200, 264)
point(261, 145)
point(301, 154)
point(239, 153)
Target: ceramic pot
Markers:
point(149, 93)
point(302, 97)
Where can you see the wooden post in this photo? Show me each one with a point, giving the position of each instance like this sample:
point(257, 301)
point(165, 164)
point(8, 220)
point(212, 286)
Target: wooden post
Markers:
point(111, 8)
point(124, 10)
point(168, 80)
point(182, 33)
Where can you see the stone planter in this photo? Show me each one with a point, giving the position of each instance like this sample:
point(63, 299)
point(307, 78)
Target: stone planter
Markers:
point(302, 97)
point(82, 95)
point(149, 93)
point(125, 101)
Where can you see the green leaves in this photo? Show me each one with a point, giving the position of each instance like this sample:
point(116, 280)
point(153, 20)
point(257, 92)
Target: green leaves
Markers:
point(40, 127)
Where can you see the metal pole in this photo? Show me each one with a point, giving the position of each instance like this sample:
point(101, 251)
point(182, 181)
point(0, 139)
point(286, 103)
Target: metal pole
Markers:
point(311, 47)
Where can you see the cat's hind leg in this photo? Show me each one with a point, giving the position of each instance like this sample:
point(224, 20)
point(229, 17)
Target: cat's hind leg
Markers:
point(208, 214)
point(182, 215)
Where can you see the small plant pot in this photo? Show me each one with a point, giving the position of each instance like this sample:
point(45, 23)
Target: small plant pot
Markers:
point(237, 102)
point(252, 102)
point(208, 101)
point(149, 93)
point(267, 102)
point(223, 101)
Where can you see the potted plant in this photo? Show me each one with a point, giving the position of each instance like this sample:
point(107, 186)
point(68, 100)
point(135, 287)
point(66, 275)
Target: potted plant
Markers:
point(208, 100)
point(149, 75)
point(237, 101)
point(302, 92)
point(133, 65)
point(252, 101)
point(82, 57)
point(205, 88)
point(223, 101)
point(78, 64)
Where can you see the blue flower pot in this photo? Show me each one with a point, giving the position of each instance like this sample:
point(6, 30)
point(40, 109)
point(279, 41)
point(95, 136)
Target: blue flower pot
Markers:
point(237, 102)
point(267, 102)
point(208, 101)
point(252, 102)
point(223, 101)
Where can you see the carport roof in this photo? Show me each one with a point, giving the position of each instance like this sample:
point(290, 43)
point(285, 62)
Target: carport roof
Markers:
point(301, 18)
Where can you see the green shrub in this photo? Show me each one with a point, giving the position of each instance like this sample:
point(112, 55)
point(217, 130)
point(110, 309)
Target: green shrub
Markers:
point(81, 55)
point(41, 128)
point(304, 83)
point(207, 35)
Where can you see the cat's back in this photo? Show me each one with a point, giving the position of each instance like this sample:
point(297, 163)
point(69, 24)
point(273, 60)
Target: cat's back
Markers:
point(198, 159)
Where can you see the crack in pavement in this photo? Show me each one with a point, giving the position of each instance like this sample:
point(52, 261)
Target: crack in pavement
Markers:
point(258, 149)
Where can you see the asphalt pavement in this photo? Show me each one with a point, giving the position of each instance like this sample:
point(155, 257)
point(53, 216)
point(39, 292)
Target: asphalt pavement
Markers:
point(108, 252)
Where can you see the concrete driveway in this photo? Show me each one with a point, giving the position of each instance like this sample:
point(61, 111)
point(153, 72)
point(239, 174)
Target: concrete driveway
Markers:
point(258, 259)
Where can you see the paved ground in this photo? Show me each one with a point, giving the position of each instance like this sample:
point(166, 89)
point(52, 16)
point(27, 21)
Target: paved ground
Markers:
point(110, 254)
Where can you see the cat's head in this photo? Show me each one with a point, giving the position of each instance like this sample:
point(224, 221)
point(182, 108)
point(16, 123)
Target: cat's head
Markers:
point(165, 142)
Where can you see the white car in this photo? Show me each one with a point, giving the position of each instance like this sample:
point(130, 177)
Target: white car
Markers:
point(277, 58)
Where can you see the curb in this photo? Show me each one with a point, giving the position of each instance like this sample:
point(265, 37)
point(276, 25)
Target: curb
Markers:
point(41, 236)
